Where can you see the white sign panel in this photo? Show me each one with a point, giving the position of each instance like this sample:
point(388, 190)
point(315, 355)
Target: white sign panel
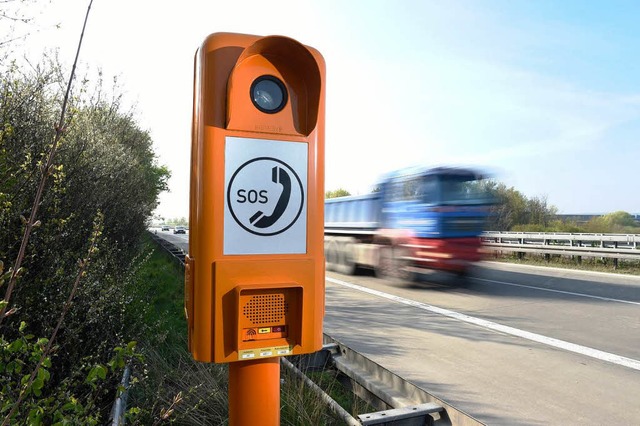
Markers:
point(265, 205)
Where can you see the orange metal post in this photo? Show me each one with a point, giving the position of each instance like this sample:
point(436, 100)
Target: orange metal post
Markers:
point(254, 392)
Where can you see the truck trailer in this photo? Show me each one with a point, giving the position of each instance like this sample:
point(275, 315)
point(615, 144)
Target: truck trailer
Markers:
point(415, 219)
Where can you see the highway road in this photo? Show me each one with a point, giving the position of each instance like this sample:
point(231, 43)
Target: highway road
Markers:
point(512, 345)
point(180, 240)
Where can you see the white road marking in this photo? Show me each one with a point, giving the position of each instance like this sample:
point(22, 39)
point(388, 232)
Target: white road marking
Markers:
point(549, 341)
point(608, 299)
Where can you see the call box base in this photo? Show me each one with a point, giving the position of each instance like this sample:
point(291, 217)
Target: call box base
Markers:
point(260, 308)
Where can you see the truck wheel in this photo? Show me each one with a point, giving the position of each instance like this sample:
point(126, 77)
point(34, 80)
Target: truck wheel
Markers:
point(385, 266)
point(392, 265)
point(347, 264)
point(327, 243)
point(332, 256)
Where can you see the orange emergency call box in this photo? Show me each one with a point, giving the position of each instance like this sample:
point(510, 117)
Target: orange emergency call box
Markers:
point(254, 275)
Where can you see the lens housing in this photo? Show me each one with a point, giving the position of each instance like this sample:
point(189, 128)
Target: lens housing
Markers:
point(268, 94)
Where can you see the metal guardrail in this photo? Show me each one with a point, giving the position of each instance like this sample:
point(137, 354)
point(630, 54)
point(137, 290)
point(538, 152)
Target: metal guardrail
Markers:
point(400, 402)
point(613, 246)
point(561, 236)
point(175, 252)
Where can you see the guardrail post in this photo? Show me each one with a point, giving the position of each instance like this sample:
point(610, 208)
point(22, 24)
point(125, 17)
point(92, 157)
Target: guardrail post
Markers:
point(576, 243)
point(547, 256)
point(520, 253)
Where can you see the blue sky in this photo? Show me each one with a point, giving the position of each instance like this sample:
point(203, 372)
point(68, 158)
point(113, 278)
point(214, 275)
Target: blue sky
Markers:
point(545, 94)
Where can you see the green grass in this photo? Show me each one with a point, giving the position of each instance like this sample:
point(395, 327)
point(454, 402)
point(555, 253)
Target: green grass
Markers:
point(170, 386)
point(158, 285)
point(628, 267)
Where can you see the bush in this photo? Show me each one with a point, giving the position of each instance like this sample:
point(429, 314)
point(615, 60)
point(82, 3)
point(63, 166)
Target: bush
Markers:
point(104, 167)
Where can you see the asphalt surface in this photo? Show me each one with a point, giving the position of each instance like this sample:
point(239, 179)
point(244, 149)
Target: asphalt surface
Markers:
point(179, 240)
point(510, 345)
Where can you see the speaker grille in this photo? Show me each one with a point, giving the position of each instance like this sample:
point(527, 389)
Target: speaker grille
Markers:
point(266, 308)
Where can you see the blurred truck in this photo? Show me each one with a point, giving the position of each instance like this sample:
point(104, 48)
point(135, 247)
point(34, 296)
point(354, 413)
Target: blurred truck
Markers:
point(416, 219)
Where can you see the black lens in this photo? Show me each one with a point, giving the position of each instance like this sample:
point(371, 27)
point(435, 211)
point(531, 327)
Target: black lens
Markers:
point(268, 94)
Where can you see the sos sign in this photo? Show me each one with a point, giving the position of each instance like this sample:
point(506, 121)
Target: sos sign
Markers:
point(266, 182)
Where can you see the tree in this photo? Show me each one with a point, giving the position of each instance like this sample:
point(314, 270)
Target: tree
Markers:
point(620, 218)
point(340, 192)
point(616, 222)
point(539, 212)
point(178, 221)
point(508, 208)
point(514, 211)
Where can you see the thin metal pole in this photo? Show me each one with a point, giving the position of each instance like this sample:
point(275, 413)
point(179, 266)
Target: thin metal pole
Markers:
point(120, 406)
point(254, 392)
